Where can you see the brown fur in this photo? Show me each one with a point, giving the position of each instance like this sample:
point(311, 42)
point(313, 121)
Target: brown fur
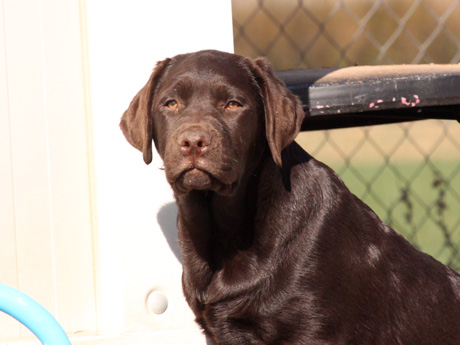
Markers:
point(276, 249)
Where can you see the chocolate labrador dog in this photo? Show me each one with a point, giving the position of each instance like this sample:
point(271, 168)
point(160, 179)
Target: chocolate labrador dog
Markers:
point(276, 249)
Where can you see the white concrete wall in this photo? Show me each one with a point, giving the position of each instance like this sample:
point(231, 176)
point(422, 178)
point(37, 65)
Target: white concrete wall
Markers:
point(86, 228)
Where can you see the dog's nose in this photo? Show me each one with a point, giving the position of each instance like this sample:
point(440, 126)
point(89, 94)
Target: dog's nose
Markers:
point(194, 142)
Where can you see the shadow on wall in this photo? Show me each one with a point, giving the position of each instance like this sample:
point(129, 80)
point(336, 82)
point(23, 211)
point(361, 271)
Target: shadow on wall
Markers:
point(167, 219)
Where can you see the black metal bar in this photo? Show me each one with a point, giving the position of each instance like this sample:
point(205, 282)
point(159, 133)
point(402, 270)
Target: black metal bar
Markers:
point(369, 95)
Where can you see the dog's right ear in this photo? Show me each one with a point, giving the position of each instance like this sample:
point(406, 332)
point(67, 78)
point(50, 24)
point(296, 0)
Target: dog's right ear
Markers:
point(136, 122)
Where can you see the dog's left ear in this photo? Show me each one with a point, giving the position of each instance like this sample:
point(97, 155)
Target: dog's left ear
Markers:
point(136, 122)
point(283, 110)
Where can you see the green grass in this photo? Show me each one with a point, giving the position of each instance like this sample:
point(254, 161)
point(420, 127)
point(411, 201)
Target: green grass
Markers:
point(419, 200)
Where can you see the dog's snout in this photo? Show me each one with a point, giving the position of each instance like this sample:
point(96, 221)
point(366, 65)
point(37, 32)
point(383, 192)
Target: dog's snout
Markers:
point(194, 142)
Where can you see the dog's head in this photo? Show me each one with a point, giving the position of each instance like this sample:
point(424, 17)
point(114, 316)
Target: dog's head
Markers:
point(211, 115)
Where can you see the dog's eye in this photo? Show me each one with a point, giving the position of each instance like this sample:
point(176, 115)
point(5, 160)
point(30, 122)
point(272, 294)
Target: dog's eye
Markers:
point(232, 105)
point(172, 104)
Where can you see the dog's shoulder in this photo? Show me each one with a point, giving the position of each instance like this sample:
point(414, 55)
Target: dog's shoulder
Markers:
point(301, 171)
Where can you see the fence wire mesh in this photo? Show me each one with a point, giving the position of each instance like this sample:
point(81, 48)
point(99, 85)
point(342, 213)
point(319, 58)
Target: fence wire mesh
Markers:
point(408, 173)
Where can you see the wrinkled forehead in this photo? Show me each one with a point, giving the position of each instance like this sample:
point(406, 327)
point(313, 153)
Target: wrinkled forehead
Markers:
point(211, 69)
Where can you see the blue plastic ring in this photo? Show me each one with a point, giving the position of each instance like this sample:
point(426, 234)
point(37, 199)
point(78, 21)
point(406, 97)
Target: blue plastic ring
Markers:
point(32, 315)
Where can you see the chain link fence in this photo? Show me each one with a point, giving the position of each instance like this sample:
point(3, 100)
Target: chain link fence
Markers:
point(408, 173)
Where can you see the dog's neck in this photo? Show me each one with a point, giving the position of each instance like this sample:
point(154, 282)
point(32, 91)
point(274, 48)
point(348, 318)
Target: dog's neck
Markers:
point(212, 220)
point(219, 235)
point(215, 230)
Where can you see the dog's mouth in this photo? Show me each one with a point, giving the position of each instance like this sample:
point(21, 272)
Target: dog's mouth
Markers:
point(198, 179)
